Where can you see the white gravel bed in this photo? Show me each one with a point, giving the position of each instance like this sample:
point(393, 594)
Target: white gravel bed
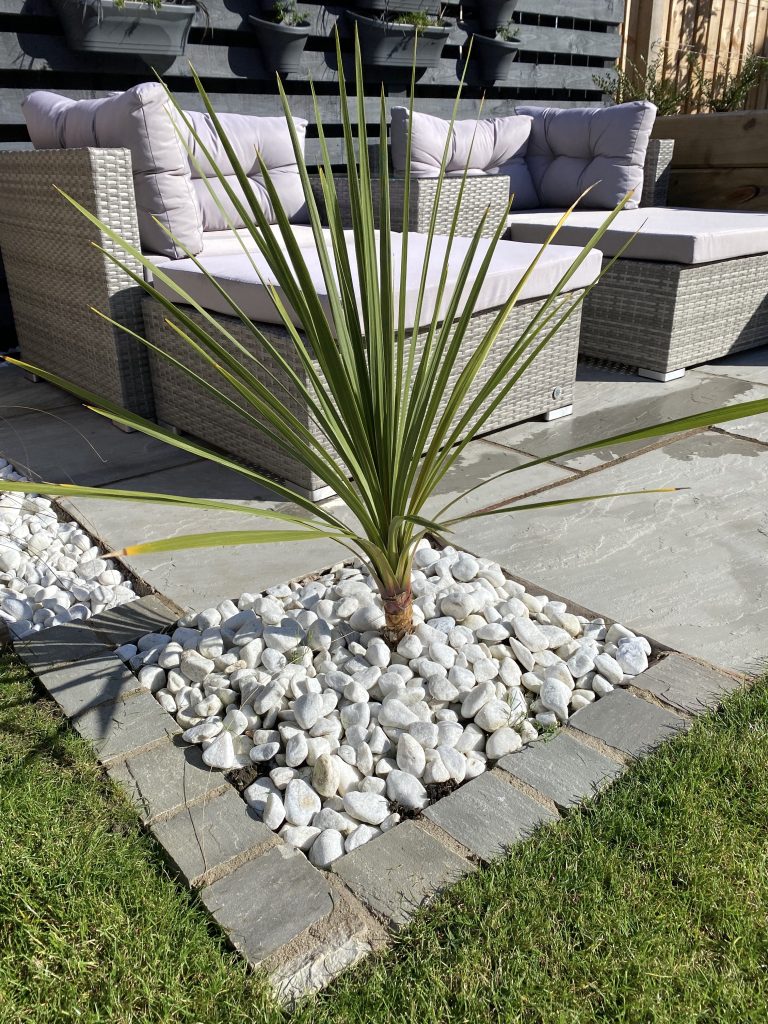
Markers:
point(51, 572)
point(348, 735)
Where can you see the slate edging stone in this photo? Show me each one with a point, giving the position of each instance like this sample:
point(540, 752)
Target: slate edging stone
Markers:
point(686, 685)
point(122, 727)
point(206, 839)
point(400, 871)
point(627, 723)
point(243, 903)
point(488, 815)
point(162, 780)
point(562, 769)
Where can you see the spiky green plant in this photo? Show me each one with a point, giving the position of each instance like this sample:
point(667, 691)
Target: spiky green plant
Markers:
point(384, 443)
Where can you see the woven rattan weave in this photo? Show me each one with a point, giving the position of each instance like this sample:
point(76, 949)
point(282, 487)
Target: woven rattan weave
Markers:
point(55, 274)
point(547, 384)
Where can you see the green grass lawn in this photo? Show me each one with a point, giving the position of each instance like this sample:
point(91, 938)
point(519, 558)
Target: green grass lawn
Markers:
point(649, 906)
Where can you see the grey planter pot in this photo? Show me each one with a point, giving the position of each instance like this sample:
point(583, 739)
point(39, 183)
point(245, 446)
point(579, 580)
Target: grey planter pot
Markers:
point(492, 13)
point(492, 59)
point(99, 26)
point(282, 46)
point(383, 44)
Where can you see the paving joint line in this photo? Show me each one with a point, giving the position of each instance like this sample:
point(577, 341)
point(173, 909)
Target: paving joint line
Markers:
point(581, 474)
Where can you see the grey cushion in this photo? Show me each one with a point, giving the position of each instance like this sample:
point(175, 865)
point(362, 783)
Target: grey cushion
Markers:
point(571, 149)
point(168, 186)
point(665, 234)
point(495, 145)
point(238, 275)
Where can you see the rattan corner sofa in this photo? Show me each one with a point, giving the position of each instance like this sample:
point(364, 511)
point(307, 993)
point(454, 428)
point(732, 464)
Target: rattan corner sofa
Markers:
point(691, 286)
point(54, 275)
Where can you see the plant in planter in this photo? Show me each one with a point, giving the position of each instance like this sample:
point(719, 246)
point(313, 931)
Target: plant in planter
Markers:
point(490, 13)
point(145, 27)
point(377, 405)
point(496, 55)
point(389, 41)
point(283, 38)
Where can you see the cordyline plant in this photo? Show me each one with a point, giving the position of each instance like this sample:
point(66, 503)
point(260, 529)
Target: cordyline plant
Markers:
point(374, 388)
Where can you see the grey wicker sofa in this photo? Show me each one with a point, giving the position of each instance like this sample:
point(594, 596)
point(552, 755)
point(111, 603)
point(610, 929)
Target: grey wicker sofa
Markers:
point(55, 275)
point(690, 287)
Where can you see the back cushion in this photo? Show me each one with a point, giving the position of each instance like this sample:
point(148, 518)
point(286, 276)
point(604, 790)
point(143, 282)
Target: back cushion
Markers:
point(571, 149)
point(250, 136)
point(168, 188)
point(495, 145)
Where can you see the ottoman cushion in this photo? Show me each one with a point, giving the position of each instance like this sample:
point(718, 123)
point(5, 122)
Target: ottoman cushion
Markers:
point(664, 234)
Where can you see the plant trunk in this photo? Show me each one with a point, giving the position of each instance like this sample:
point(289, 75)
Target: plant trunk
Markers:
point(398, 616)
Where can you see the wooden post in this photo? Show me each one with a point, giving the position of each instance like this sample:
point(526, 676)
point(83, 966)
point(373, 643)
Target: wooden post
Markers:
point(644, 27)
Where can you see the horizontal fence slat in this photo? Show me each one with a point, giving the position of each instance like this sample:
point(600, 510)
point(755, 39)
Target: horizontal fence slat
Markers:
point(722, 188)
point(737, 139)
point(31, 52)
point(234, 13)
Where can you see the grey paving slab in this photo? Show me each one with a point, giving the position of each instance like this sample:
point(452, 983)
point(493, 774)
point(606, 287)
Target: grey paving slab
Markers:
point(22, 397)
point(753, 427)
point(608, 402)
point(686, 684)
point(97, 679)
point(127, 622)
point(60, 645)
point(201, 577)
point(562, 769)
point(120, 727)
point(400, 871)
point(628, 723)
point(687, 568)
point(164, 779)
point(480, 461)
point(208, 838)
point(268, 901)
point(74, 445)
point(488, 815)
point(751, 365)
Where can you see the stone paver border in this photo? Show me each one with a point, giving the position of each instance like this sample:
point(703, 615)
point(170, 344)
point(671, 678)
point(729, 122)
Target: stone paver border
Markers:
point(328, 920)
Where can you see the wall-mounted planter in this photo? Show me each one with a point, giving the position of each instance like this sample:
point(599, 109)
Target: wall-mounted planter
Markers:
point(282, 46)
point(492, 59)
point(430, 7)
point(489, 14)
point(101, 26)
point(386, 44)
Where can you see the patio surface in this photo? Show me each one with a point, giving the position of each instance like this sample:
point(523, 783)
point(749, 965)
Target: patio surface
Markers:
point(689, 569)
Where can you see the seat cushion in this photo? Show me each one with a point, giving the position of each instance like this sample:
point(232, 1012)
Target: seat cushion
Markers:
point(604, 147)
point(664, 234)
point(169, 187)
point(494, 145)
point(239, 277)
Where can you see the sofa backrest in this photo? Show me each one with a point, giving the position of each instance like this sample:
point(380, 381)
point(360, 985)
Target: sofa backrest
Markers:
point(603, 147)
point(494, 145)
point(551, 155)
point(169, 187)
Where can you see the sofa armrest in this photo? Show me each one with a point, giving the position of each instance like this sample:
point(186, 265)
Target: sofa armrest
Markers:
point(658, 165)
point(55, 274)
point(481, 193)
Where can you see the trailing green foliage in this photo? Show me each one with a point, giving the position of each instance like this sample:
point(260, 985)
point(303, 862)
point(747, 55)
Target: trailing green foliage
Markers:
point(683, 85)
point(374, 387)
